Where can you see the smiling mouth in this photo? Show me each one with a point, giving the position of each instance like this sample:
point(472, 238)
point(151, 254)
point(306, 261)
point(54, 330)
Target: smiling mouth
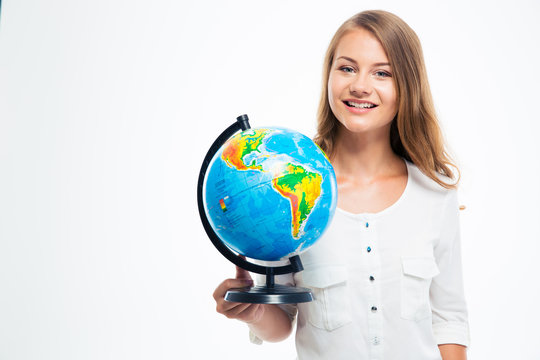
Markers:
point(362, 105)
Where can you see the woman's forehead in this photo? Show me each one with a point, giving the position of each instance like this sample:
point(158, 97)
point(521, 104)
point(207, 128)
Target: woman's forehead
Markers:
point(362, 46)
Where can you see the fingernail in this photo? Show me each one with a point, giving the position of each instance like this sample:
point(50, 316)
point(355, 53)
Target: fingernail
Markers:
point(247, 281)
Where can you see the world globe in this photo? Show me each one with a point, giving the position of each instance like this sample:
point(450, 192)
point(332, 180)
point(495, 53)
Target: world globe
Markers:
point(269, 193)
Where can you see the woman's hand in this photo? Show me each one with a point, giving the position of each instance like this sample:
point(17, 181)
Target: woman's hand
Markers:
point(267, 322)
point(248, 313)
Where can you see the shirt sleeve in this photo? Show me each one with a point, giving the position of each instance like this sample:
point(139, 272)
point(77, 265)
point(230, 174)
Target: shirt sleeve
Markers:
point(449, 309)
point(287, 279)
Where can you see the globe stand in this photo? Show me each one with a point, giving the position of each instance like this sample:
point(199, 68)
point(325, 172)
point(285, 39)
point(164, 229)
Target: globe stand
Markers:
point(270, 293)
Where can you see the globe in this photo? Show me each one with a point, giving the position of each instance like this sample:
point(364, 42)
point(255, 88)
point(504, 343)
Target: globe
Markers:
point(269, 193)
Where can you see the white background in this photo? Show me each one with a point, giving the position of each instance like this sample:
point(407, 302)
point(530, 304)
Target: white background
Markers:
point(107, 108)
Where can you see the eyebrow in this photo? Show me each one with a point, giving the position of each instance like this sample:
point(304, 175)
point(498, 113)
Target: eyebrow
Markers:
point(354, 61)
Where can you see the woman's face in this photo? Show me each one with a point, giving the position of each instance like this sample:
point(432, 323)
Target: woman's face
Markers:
point(361, 91)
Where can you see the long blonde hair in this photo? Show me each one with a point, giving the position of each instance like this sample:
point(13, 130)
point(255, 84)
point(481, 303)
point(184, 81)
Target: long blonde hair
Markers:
point(414, 133)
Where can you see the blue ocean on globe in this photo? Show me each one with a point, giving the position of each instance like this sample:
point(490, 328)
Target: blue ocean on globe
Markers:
point(270, 193)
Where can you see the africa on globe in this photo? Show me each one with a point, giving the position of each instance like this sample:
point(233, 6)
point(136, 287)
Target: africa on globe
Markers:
point(269, 193)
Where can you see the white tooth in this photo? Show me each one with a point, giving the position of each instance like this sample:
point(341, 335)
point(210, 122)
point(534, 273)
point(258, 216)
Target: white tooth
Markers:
point(361, 105)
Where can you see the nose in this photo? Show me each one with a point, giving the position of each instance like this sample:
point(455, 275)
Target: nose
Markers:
point(360, 85)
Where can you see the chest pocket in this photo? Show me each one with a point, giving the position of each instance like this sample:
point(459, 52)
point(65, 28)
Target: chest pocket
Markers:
point(415, 282)
point(331, 307)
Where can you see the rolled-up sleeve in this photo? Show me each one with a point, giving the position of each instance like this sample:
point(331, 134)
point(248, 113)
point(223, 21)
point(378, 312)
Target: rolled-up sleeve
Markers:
point(449, 308)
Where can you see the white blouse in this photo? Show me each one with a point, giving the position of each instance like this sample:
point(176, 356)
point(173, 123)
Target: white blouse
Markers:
point(387, 285)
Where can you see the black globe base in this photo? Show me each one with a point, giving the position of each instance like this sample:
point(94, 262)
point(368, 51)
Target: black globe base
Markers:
point(277, 294)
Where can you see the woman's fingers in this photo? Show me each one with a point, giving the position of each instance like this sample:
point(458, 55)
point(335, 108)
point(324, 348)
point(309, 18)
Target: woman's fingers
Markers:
point(222, 288)
point(242, 274)
point(227, 308)
point(241, 311)
point(252, 313)
point(234, 310)
point(245, 312)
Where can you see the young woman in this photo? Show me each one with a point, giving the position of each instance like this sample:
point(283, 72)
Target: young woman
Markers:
point(386, 275)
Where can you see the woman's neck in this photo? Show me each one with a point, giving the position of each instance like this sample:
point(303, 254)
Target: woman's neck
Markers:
point(365, 156)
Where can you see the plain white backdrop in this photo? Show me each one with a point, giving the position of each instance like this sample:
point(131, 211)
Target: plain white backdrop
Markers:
point(107, 108)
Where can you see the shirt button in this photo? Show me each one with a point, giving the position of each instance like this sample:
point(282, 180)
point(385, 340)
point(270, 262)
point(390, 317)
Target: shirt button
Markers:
point(368, 249)
point(371, 278)
point(373, 308)
point(376, 341)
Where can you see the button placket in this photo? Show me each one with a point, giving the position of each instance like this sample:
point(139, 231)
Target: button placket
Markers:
point(373, 263)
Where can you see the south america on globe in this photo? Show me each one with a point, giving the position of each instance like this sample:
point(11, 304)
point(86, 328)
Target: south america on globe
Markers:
point(270, 193)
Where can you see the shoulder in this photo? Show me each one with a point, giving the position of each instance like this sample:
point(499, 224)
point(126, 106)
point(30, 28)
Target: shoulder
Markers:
point(438, 203)
point(426, 186)
point(425, 182)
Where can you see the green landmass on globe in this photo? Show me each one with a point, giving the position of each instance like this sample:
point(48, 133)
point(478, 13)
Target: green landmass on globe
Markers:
point(302, 188)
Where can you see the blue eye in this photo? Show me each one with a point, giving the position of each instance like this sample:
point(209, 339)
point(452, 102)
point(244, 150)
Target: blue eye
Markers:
point(346, 69)
point(383, 74)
